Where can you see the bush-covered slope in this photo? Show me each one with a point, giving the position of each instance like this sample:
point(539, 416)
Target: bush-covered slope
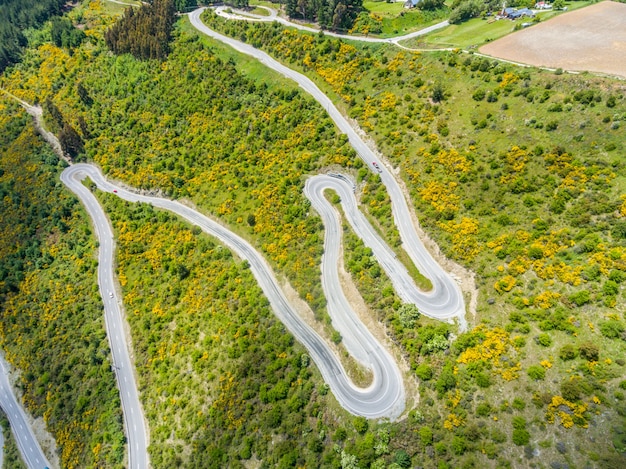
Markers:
point(51, 324)
point(517, 173)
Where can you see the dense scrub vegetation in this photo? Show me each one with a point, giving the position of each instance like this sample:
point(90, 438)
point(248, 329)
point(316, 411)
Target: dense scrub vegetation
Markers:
point(51, 327)
point(337, 15)
point(238, 148)
point(17, 16)
point(216, 368)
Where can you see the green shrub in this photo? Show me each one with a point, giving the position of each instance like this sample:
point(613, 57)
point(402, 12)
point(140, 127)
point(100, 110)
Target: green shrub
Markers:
point(482, 380)
point(552, 125)
point(536, 372)
point(544, 340)
point(580, 298)
point(360, 424)
point(610, 288)
point(568, 352)
point(518, 404)
point(521, 437)
point(589, 351)
point(519, 423)
point(617, 276)
point(409, 315)
point(402, 459)
point(520, 342)
point(478, 95)
point(612, 328)
point(426, 436)
point(424, 372)
point(498, 436)
point(571, 390)
point(483, 409)
point(447, 380)
point(458, 445)
point(441, 448)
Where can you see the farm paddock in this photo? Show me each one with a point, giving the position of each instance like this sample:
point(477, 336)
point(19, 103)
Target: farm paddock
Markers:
point(590, 39)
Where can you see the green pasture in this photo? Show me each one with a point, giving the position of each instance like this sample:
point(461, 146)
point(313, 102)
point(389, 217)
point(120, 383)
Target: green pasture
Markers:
point(383, 8)
point(113, 8)
point(260, 11)
point(478, 31)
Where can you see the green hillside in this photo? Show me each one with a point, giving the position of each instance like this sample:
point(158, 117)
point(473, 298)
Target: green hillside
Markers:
point(518, 175)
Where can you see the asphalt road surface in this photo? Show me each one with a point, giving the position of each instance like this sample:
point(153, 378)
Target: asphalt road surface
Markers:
point(133, 413)
point(27, 443)
point(446, 302)
point(230, 13)
point(439, 303)
point(383, 398)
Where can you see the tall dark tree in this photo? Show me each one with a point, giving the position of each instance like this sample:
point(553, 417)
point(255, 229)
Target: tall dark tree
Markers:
point(15, 17)
point(83, 94)
point(330, 14)
point(144, 32)
point(70, 141)
point(64, 34)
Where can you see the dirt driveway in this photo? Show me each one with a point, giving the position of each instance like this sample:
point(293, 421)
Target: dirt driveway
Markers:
point(590, 39)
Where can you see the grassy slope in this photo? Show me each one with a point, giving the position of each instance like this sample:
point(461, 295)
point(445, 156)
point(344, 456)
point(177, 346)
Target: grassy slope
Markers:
point(537, 224)
point(464, 431)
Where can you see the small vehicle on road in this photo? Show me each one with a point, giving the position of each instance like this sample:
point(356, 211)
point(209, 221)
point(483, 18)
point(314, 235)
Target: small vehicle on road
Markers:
point(110, 294)
point(115, 191)
point(375, 165)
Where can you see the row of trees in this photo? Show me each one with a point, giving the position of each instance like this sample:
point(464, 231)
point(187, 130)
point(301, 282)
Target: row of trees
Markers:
point(144, 32)
point(71, 142)
point(330, 14)
point(64, 34)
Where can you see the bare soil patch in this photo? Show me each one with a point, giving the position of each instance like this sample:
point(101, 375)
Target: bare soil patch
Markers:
point(590, 39)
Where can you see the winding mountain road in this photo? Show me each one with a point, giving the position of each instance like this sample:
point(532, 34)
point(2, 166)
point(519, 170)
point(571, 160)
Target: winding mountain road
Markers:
point(445, 301)
point(383, 398)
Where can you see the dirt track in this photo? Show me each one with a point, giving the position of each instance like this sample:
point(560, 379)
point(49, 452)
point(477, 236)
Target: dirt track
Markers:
point(590, 39)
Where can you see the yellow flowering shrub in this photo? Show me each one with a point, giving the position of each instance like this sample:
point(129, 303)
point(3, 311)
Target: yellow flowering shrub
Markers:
point(464, 240)
point(505, 284)
point(441, 196)
point(568, 412)
point(496, 343)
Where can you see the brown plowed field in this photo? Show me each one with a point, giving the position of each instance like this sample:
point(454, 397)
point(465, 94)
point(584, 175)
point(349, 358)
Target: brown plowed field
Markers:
point(590, 39)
